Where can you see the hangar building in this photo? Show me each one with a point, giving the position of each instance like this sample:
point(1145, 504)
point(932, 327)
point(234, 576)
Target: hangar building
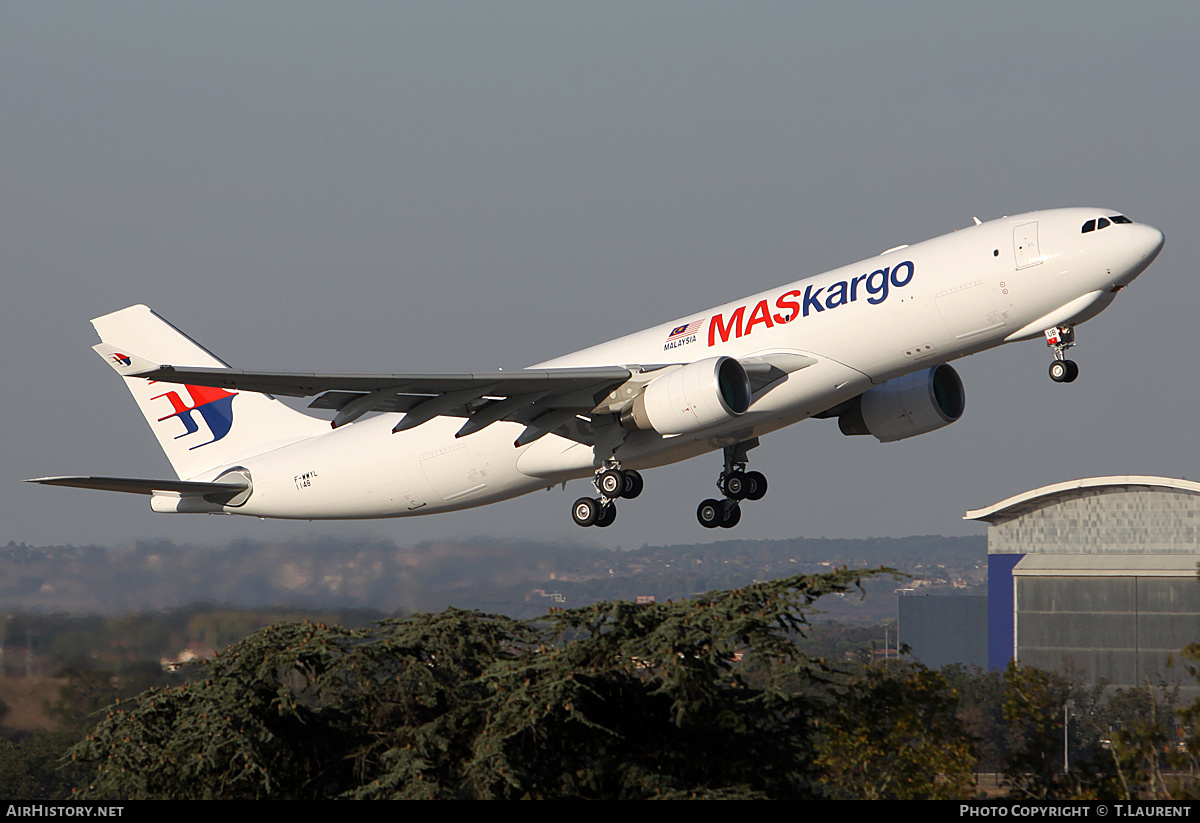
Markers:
point(1096, 578)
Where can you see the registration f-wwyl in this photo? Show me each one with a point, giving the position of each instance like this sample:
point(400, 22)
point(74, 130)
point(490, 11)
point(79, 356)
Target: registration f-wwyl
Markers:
point(867, 344)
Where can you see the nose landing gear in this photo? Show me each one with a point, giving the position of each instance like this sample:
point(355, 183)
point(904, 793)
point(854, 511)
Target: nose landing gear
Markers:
point(1061, 338)
point(1064, 371)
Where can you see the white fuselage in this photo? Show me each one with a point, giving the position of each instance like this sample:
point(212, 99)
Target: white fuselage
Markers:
point(864, 324)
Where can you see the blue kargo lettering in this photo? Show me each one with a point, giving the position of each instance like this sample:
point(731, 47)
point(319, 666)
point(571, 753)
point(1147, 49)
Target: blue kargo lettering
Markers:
point(811, 301)
point(878, 288)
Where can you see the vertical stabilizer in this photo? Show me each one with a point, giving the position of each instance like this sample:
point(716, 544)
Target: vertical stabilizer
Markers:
point(199, 428)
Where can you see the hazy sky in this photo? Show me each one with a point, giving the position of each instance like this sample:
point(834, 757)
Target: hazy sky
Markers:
point(408, 187)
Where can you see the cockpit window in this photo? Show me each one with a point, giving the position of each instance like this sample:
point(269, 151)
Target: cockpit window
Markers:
point(1103, 223)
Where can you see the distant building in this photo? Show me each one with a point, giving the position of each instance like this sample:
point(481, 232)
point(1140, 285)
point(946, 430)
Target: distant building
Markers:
point(944, 629)
point(1096, 578)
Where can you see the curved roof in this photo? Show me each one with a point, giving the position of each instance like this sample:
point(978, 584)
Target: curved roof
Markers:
point(1046, 496)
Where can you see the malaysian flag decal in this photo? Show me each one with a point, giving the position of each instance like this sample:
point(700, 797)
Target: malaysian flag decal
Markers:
point(685, 330)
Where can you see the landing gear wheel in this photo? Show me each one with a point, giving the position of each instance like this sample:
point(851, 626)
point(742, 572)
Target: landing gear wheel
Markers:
point(586, 511)
point(633, 484)
point(732, 517)
point(1061, 338)
point(611, 483)
point(607, 516)
point(1064, 371)
point(756, 485)
point(710, 513)
point(734, 486)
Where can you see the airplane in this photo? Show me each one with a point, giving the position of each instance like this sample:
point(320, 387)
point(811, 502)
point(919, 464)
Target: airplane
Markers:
point(868, 344)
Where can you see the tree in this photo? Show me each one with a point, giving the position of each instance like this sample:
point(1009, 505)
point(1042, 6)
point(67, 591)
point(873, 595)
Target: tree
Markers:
point(1141, 745)
point(708, 697)
point(1187, 754)
point(895, 735)
point(1033, 710)
point(981, 710)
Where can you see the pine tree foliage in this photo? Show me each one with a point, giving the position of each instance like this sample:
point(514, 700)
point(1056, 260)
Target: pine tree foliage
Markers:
point(708, 697)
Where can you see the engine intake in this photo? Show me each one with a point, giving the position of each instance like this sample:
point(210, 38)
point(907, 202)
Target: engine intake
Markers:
point(906, 406)
point(691, 398)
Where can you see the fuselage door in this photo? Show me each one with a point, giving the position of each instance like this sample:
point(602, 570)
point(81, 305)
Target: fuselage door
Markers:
point(1025, 245)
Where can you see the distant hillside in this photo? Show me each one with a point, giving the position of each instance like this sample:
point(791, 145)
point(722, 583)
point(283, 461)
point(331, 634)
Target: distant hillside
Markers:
point(515, 577)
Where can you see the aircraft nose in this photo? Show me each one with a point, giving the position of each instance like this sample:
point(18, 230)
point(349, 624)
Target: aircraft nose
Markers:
point(1145, 244)
point(1153, 242)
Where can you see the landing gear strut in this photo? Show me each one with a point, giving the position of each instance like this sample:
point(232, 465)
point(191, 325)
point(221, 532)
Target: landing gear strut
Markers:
point(1061, 338)
point(611, 482)
point(737, 485)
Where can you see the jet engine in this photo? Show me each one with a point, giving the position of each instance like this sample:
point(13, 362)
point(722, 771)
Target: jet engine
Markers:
point(691, 398)
point(906, 406)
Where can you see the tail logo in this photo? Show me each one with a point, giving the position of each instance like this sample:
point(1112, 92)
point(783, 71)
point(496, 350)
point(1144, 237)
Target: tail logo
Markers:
point(215, 407)
point(120, 359)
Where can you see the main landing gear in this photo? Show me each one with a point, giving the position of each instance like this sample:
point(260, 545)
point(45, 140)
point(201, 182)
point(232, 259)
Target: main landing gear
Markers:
point(1061, 338)
point(737, 485)
point(611, 482)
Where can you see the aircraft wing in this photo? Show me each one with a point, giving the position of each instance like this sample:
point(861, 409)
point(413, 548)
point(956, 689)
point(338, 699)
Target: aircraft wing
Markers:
point(544, 400)
point(299, 384)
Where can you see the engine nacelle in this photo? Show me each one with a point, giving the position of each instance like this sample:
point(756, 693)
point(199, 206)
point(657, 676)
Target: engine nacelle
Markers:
point(691, 398)
point(907, 406)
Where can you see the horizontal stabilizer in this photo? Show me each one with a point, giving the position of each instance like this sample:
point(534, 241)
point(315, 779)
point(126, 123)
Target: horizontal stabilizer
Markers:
point(133, 485)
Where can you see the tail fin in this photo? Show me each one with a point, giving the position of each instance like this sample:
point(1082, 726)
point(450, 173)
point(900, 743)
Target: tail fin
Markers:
point(199, 428)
